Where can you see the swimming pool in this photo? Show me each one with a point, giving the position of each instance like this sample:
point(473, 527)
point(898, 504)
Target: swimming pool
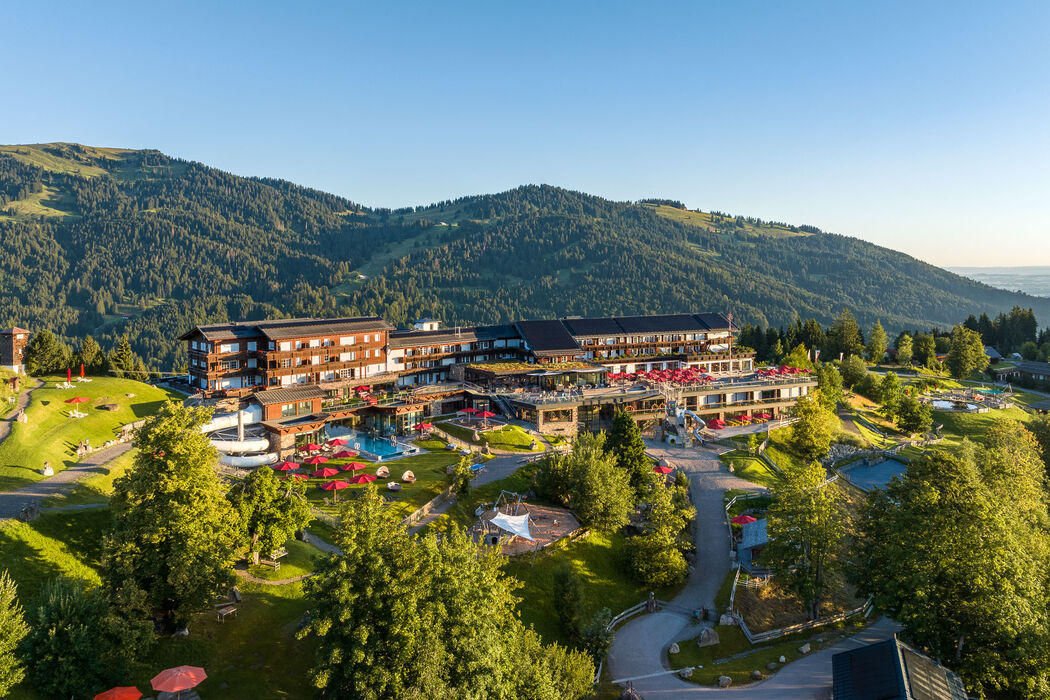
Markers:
point(875, 476)
point(381, 448)
point(951, 405)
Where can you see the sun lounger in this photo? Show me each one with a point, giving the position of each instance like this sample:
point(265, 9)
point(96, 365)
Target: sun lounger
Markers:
point(408, 478)
point(383, 473)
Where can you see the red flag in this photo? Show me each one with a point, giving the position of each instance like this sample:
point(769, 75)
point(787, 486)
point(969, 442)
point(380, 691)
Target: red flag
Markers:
point(69, 374)
point(81, 369)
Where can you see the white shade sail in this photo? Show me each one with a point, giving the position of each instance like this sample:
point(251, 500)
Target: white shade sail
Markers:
point(514, 524)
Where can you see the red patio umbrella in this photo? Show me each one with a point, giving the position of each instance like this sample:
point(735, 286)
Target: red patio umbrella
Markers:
point(423, 426)
point(663, 470)
point(337, 442)
point(81, 370)
point(69, 375)
point(78, 399)
point(315, 460)
point(334, 485)
point(743, 519)
point(324, 473)
point(469, 411)
point(344, 454)
point(354, 466)
point(363, 479)
point(120, 693)
point(286, 466)
point(174, 680)
point(361, 388)
point(311, 447)
point(485, 415)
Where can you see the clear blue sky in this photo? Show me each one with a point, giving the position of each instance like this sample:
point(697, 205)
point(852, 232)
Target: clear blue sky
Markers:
point(920, 126)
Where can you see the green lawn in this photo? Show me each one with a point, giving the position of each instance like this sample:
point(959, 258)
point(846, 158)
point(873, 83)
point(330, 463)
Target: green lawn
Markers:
point(56, 544)
point(972, 425)
point(299, 561)
point(428, 467)
point(724, 592)
point(510, 437)
point(597, 559)
point(49, 435)
point(750, 468)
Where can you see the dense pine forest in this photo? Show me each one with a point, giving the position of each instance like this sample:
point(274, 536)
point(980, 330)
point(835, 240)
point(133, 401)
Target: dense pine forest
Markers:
point(110, 242)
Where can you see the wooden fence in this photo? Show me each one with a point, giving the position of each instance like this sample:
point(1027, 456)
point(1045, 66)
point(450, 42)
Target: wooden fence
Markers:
point(770, 635)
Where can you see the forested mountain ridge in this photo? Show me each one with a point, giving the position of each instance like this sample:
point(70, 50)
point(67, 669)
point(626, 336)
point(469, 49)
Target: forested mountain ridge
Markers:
point(109, 241)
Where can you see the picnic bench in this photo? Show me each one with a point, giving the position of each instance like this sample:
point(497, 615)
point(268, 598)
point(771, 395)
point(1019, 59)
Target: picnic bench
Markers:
point(270, 562)
point(221, 613)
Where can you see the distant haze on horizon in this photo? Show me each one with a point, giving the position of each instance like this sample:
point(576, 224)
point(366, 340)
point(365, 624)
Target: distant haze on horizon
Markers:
point(919, 127)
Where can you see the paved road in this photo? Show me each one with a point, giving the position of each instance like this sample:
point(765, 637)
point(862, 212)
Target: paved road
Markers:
point(638, 646)
point(12, 502)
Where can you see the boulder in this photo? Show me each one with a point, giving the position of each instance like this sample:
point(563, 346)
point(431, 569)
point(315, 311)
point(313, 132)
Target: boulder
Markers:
point(727, 620)
point(724, 681)
point(772, 666)
point(673, 649)
point(783, 659)
point(686, 672)
point(708, 637)
point(804, 649)
point(756, 675)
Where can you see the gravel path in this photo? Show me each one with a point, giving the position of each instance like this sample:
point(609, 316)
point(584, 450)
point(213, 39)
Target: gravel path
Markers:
point(21, 403)
point(12, 502)
point(638, 646)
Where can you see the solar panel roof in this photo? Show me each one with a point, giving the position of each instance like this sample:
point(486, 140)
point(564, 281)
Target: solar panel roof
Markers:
point(547, 336)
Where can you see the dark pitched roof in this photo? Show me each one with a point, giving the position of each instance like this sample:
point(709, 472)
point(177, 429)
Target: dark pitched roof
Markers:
point(469, 334)
point(593, 326)
point(654, 323)
point(547, 337)
point(288, 395)
point(892, 670)
point(713, 321)
point(661, 323)
point(13, 331)
point(1033, 367)
point(288, 328)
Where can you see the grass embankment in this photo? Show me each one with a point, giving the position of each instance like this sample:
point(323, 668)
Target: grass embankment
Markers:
point(252, 655)
point(49, 435)
point(959, 426)
point(510, 437)
point(750, 468)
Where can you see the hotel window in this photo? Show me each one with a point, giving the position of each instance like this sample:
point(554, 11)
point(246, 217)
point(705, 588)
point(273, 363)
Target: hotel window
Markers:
point(346, 356)
point(298, 362)
point(253, 346)
point(315, 342)
point(304, 407)
point(229, 364)
point(287, 410)
point(286, 346)
point(368, 353)
point(315, 360)
point(252, 363)
point(286, 362)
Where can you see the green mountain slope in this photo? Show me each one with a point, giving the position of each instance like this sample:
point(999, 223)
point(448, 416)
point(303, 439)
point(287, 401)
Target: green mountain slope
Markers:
point(110, 241)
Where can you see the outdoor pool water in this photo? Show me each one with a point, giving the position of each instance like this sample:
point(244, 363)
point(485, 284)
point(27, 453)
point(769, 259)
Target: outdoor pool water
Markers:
point(875, 476)
point(950, 405)
point(362, 443)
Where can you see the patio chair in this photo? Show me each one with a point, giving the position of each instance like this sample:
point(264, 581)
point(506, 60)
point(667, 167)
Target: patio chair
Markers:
point(383, 473)
point(393, 486)
point(408, 478)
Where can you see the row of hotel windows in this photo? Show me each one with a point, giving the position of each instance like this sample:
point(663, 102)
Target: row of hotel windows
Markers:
point(252, 363)
point(284, 346)
point(662, 338)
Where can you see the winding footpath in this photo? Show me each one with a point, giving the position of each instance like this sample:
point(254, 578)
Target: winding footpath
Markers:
point(638, 646)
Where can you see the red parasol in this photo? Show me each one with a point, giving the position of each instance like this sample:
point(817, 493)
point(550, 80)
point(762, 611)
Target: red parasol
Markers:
point(324, 473)
point(69, 375)
point(334, 485)
point(120, 693)
point(285, 466)
point(363, 479)
point(179, 678)
point(337, 442)
point(82, 374)
point(423, 426)
point(315, 460)
point(311, 447)
point(663, 470)
point(353, 467)
point(78, 399)
point(468, 411)
point(486, 414)
point(361, 388)
point(344, 454)
point(743, 519)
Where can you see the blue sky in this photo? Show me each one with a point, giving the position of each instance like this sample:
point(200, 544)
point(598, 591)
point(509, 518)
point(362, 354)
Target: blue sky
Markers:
point(919, 126)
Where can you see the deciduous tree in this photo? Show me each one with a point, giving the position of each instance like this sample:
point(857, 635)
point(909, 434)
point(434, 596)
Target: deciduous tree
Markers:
point(811, 434)
point(904, 350)
point(853, 370)
point(271, 512)
point(174, 532)
point(877, 343)
point(805, 527)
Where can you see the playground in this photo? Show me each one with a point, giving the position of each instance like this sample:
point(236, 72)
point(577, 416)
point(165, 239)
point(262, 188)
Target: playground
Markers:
point(520, 527)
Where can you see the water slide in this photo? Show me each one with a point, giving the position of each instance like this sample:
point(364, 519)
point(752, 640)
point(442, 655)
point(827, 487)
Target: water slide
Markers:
point(701, 425)
point(244, 451)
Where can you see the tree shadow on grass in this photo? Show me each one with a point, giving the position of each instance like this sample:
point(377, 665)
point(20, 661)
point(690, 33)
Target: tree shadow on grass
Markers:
point(27, 566)
point(80, 531)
